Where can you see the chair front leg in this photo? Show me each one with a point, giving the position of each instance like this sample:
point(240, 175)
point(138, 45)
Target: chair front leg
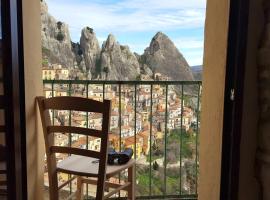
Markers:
point(79, 188)
point(131, 179)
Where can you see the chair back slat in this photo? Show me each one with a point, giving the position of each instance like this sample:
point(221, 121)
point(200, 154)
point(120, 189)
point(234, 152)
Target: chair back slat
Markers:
point(73, 103)
point(75, 151)
point(77, 130)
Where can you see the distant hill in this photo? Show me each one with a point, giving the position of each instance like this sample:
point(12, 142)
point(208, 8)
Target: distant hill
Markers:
point(197, 72)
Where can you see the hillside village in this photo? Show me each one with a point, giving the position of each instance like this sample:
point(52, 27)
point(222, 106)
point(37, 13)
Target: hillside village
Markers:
point(176, 118)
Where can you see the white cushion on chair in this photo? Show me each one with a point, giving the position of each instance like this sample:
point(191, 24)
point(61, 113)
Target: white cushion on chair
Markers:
point(86, 166)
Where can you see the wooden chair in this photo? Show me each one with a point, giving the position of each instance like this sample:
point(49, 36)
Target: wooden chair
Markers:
point(81, 162)
point(3, 173)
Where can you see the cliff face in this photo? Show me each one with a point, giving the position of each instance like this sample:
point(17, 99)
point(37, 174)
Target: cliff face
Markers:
point(118, 62)
point(163, 57)
point(113, 61)
point(56, 43)
point(90, 49)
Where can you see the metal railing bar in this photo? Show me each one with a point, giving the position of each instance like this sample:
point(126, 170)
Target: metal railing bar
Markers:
point(103, 91)
point(87, 126)
point(53, 110)
point(165, 145)
point(124, 82)
point(197, 132)
point(120, 127)
point(151, 124)
point(70, 135)
point(181, 136)
point(170, 197)
point(135, 121)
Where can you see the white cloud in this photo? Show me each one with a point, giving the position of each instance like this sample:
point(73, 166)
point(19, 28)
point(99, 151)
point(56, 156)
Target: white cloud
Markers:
point(130, 15)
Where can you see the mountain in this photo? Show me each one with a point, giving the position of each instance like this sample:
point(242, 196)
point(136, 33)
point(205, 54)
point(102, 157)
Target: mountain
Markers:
point(163, 57)
point(197, 72)
point(112, 61)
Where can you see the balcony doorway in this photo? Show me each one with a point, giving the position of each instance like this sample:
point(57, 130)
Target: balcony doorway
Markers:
point(148, 61)
point(154, 113)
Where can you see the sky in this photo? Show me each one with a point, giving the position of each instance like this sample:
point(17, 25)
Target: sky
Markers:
point(135, 22)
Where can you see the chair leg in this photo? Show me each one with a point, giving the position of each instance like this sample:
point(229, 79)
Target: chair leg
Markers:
point(131, 179)
point(79, 188)
point(53, 187)
point(100, 188)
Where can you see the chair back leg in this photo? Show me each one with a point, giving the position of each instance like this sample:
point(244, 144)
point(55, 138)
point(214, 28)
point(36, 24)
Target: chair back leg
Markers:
point(53, 187)
point(100, 188)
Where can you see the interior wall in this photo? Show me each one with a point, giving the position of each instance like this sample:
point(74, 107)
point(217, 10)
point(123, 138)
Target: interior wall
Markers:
point(215, 55)
point(33, 88)
point(248, 185)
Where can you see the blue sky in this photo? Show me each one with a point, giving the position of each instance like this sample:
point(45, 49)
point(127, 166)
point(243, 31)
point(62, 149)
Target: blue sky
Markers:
point(135, 22)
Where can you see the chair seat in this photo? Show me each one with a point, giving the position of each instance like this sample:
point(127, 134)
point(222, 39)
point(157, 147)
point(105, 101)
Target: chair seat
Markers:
point(86, 166)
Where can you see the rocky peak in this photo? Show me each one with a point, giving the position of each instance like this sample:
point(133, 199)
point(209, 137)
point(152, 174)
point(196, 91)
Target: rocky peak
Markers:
point(90, 48)
point(158, 42)
point(56, 42)
point(43, 7)
point(162, 56)
point(117, 61)
point(110, 43)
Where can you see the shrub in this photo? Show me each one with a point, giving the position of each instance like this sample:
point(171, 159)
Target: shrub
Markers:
point(90, 29)
point(45, 62)
point(59, 25)
point(106, 70)
point(155, 166)
point(138, 78)
point(60, 36)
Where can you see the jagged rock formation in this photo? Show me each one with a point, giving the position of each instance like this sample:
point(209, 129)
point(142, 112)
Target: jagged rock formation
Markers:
point(113, 61)
point(117, 61)
point(90, 49)
point(162, 56)
point(56, 43)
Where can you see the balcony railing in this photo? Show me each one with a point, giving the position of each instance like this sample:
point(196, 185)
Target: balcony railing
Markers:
point(160, 120)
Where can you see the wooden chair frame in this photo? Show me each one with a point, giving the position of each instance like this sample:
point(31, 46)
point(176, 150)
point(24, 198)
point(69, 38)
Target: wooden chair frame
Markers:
point(84, 105)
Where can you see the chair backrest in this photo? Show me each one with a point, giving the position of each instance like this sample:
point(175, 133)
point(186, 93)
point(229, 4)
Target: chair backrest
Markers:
point(74, 104)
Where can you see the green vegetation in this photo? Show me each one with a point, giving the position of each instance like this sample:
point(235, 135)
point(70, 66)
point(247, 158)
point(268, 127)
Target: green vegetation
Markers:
point(45, 62)
point(138, 78)
point(60, 36)
point(45, 51)
point(178, 142)
point(59, 25)
point(106, 70)
point(178, 137)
